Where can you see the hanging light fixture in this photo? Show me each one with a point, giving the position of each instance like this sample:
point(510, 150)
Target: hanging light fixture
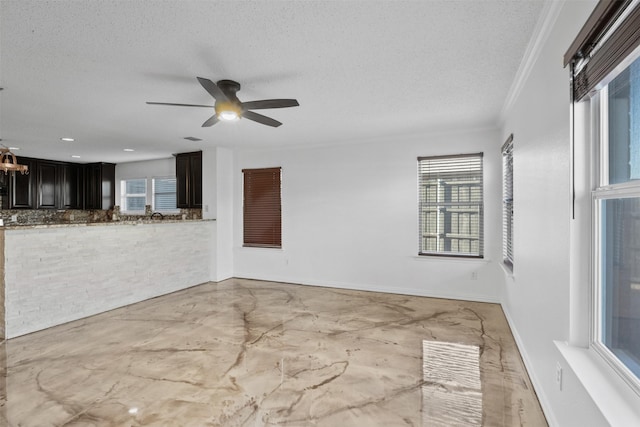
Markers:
point(9, 162)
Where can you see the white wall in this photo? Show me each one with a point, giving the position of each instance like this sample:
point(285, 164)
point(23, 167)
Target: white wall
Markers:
point(350, 218)
point(209, 201)
point(145, 169)
point(217, 200)
point(209, 183)
point(536, 300)
point(224, 212)
point(55, 275)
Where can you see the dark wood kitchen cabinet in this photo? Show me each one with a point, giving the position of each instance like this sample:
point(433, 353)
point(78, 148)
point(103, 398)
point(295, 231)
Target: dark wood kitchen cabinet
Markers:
point(71, 186)
point(49, 185)
point(4, 190)
point(23, 187)
point(100, 186)
point(189, 180)
point(61, 185)
point(47, 176)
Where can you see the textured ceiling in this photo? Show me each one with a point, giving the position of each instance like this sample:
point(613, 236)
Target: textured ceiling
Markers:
point(361, 70)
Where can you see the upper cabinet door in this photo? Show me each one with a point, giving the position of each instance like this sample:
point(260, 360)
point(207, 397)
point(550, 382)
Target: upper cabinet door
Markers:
point(47, 173)
point(182, 181)
point(71, 179)
point(93, 179)
point(100, 187)
point(189, 180)
point(195, 164)
point(23, 191)
point(108, 185)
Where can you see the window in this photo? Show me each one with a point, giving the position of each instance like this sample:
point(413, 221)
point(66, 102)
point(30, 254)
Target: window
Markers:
point(134, 195)
point(262, 207)
point(617, 223)
point(507, 203)
point(164, 194)
point(605, 69)
point(450, 205)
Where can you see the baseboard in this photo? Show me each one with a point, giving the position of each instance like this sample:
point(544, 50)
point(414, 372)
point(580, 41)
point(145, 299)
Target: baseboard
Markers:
point(372, 288)
point(537, 386)
point(222, 277)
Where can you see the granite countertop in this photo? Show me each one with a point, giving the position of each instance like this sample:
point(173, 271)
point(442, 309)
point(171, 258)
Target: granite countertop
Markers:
point(11, 225)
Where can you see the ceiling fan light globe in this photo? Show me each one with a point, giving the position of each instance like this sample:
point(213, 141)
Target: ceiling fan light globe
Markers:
point(228, 115)
point(227, 111)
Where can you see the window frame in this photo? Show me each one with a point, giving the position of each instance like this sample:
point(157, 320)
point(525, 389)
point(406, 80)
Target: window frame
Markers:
point(602, 190)
point(421, 234)
point(124, 195)
point(153, 195)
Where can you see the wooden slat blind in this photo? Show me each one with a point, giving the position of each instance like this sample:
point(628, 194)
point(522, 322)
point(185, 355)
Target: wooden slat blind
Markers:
point(507, 202)
point(262, 207)
point(610, 34)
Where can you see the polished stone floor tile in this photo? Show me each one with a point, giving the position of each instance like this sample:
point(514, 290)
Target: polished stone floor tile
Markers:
point(253, 353)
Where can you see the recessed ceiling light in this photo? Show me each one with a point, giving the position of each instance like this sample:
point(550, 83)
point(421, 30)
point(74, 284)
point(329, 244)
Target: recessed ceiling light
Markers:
point(75, 157)
point(67, 139)
point(129, 149)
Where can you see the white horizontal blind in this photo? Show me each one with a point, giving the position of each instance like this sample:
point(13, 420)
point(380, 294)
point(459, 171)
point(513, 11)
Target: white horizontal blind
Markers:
point(164, 194)
point(451, 205)
point(507, 202)
point(134, 194)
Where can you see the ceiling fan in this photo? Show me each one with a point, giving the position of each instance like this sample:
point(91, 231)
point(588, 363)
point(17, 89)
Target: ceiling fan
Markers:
point(228, 107)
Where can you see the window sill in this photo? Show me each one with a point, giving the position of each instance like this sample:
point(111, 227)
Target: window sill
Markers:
point(619, 404)
point(507, 271)
point(261, 248)
point(144, 213)
point(440, 258)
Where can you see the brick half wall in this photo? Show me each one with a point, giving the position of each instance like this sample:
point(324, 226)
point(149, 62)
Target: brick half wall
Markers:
point(53, 275)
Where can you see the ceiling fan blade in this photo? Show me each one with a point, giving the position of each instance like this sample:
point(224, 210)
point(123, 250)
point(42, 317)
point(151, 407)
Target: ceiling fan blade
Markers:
point(210, 121)
point(180, 105)
point(213, 89)
point(269, 103)
point(261, 119)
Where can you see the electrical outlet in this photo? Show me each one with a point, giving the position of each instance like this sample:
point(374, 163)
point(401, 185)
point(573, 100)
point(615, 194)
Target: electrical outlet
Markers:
point(474, 275)
point(559, 375)
point(14, 218)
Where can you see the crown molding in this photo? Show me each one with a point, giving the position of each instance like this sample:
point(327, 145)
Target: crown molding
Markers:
point(548, 17)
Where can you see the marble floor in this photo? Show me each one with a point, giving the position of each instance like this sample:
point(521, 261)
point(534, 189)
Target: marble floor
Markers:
point(253, 353)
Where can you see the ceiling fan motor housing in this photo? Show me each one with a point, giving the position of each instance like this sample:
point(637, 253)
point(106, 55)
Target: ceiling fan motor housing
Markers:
point(229, 88)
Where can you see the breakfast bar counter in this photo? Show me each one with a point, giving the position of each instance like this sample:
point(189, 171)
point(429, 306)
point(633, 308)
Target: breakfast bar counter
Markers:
point(56, 273)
